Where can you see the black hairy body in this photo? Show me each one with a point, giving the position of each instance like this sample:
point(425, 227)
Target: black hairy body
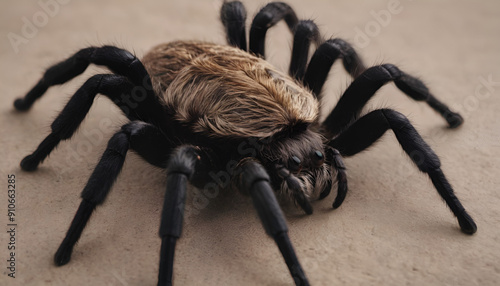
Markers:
point(226, 99)
point(203, 108)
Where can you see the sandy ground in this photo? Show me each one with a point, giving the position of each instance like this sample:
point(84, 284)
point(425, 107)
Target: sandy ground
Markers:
point(393, 229)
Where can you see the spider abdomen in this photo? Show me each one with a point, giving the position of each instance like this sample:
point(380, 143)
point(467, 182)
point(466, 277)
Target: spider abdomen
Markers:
point(221, 91)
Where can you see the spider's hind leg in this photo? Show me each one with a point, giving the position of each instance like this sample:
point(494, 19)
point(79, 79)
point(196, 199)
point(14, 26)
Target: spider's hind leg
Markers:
point(267, 17)
point(322, 60)
point(233, 16)
point(305, 32)
point(364, 87)
point(119, 61)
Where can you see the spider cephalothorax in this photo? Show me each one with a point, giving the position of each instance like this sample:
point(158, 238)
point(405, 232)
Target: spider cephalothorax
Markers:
point(202, 109)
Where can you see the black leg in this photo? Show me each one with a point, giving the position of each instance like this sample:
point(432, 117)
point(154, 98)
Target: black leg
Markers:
point(181, 167)
point(371, 127)
point(94, 193)
point(267, 17)
point(117, 60)
point(323, 59)
point(114, 87)
point(102, 179)
point(364, 87)
point(254, 180)
point(233, 16)
point(305, 32)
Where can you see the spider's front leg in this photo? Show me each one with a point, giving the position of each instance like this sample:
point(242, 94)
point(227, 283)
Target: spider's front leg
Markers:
point(369, 128)
point(180, 169)
point(254, 180)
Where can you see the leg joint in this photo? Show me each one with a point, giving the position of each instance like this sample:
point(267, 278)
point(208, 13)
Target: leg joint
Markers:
point(253, 173)
point(183, 161)
point(393, 70)
point(413, 144)
point(308, 29)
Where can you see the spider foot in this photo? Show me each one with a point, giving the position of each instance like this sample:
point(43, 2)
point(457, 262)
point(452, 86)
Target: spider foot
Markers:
point(63, 254)
point(21, 105)
point(467, 224)
point(300, 279)
point(29, 163)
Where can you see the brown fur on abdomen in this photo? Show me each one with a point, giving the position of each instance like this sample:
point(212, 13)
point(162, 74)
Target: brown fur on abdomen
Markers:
point(222, 91)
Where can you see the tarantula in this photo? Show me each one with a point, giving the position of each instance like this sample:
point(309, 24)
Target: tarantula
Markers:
point(201, 108)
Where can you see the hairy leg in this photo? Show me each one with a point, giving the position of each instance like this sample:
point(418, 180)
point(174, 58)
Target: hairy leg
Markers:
point(267, 17)
point(364, 87)
point(323, 59)
point(372, 126)
point(254, 180)
point(70, 118)
point(233, 16)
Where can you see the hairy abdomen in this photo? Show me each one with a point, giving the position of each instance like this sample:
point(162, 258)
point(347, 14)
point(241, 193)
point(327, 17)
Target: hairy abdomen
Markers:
point(221, 91)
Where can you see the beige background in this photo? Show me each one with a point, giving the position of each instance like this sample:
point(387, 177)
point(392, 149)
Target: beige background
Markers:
point(393, 229)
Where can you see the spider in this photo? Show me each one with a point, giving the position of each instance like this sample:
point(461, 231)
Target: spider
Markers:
point(201, 108)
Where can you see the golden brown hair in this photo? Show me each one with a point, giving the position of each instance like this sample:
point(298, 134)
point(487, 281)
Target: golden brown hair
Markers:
point(222, 91)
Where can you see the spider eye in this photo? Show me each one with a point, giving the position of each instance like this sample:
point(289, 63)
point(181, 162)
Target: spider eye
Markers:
point(318, 158)
point(294, 164)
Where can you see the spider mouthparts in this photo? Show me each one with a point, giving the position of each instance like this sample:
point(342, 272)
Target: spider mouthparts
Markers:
point(326, 191)
point(304, 203)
